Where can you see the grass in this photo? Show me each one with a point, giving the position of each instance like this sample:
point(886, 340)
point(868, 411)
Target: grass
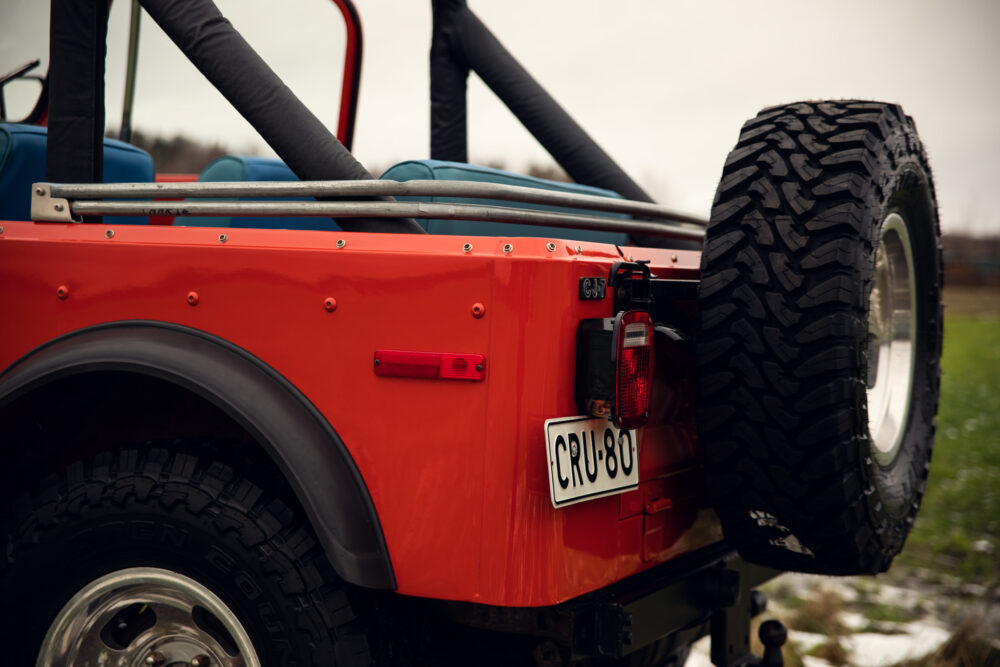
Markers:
point(879, 612)
point(820, 614)
point(958, 527)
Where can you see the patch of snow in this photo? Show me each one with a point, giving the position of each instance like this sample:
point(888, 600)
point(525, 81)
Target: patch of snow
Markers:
point(701, 652)
point(805, 641)
point(900, 597)
point(853, 621)
point(812, 661)
point(982, 546)
point(874, 650)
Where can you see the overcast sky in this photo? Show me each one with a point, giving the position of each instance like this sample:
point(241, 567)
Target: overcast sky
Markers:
point(662, 85)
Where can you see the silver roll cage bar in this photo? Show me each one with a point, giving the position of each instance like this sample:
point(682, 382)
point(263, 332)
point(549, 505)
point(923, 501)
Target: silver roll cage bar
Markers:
point(62, 202)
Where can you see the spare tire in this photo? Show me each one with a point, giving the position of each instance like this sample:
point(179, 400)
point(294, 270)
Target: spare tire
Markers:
point(819, 336)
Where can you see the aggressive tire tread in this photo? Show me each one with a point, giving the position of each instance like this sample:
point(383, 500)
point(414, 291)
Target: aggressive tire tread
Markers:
point(214, 509)
point(783, 298)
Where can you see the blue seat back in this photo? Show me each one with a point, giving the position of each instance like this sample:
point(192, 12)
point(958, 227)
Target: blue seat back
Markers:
point(22, 162)
point(456, 171)
point(247, 168)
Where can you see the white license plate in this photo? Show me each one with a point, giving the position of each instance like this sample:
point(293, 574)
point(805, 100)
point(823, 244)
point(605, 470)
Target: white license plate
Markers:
point(589, 458)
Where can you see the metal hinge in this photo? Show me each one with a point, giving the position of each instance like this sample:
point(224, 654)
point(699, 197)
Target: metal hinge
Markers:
point(45, 208)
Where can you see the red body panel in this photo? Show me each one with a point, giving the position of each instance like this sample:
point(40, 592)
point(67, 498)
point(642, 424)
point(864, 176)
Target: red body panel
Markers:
point(457, 470)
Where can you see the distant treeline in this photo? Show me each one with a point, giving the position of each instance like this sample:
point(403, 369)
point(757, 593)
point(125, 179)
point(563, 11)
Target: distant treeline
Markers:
point(177, 154)
point(971, 260)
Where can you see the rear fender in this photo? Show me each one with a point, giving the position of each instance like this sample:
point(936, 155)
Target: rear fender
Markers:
point(307, 450)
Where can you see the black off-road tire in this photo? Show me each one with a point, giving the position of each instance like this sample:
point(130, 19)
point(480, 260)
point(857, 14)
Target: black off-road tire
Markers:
point(782, 357)
point(186, 514)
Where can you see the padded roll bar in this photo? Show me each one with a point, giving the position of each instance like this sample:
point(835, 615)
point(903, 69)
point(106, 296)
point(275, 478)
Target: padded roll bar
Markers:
point(77, 47)
point(214, 46)
point(460, 42)
point(463, 43)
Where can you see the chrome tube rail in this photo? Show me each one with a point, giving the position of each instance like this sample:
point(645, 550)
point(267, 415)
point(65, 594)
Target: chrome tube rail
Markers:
point(59, 202)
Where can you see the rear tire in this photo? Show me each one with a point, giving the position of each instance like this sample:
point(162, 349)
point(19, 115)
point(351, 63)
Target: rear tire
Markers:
point(175, 531)
point(823, 248)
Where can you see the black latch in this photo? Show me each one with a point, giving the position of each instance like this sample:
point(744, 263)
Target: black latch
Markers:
point(630, 285)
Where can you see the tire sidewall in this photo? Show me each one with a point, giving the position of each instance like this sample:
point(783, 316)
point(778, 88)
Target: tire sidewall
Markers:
point(899, 483)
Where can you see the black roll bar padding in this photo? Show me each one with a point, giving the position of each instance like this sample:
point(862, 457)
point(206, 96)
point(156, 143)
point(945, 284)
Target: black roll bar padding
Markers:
point(471, 43)
point(460, 42)
point(74, 151)
point(214, 46)
point(449, 76)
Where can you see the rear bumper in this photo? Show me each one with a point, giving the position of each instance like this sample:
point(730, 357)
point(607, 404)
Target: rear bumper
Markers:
point(711, 590)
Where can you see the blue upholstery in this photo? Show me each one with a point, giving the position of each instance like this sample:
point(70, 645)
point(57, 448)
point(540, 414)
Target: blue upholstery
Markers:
point(457, 171)
point(22, 162)
point(246, 168)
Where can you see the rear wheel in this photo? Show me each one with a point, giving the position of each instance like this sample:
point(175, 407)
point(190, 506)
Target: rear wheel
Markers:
point(158, 557)
point(820, 335)
point(145, 615)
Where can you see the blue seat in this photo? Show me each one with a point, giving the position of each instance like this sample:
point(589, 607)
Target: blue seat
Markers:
point(457, 171)
point(22, 162)
point(247, 168)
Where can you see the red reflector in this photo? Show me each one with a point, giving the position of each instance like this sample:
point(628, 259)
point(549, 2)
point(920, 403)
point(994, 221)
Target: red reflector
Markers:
point(443, 365)
point(633, 336)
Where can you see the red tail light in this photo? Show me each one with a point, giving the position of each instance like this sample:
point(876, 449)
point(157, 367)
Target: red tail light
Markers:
point(633, 345)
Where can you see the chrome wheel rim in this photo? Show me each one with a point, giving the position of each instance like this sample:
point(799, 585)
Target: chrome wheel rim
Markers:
point(891, 340)
point(146, 617)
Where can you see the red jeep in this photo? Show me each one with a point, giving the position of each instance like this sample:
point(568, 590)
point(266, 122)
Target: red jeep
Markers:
point(289, 414)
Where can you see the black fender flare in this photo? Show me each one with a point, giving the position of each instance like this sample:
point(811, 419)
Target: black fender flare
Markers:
point(305, 447)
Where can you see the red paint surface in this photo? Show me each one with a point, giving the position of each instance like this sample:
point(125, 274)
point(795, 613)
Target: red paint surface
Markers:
point(457, 470)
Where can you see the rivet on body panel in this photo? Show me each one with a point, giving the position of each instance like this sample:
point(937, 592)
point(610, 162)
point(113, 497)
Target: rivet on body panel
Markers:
point(508, 248)
point(467, 247)
point(673, 258)
point(108, 234)
point(58, 207)
point(550, 246)
point(193, 298)
point(62, 292)
point(478, 310)
point(1, 229)
point(223, 238)
point(341, 243)
point(330, 304)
